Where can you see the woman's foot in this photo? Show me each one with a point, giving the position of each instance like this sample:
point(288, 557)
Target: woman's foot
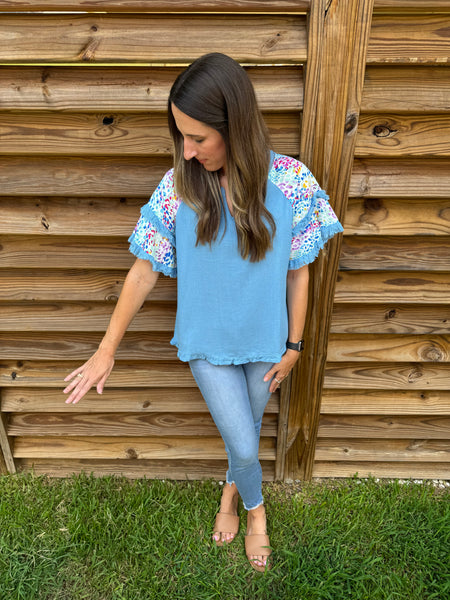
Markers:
point(257, 526)
point(224, 519)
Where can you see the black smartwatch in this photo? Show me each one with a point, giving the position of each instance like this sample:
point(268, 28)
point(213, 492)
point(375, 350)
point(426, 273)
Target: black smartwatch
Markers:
point(295, 345)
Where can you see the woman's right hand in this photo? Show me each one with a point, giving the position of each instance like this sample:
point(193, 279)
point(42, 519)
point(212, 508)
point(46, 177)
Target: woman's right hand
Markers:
point(93, 372)
point(138, 284)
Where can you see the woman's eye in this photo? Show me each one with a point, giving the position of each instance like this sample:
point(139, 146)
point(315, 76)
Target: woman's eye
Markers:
point(199, 141)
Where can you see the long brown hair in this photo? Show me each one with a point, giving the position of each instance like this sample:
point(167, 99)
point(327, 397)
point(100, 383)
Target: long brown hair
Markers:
point(217, 91)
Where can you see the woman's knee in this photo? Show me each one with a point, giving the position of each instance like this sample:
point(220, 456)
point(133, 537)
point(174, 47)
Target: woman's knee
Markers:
point(244, 455)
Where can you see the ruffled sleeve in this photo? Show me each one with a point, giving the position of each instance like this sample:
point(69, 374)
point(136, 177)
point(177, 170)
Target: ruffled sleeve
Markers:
point(313, 219)
point(153, 237)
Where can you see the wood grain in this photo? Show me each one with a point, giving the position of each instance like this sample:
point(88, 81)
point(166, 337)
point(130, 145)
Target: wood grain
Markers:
point(142, 374)
point(113, 400)
point(144, 134)
point(7, 463)
point(400, 178)
point(122, 448)
point(84, 147)
point(155, 6)
point(162, 39)
point(329, 449)
point(41, 285)
point(394, 253)
point(129, 89)
point(390, 318)
point(402, 287)
point(67, 252)
point(393, 6)
point(41, 215)
point(82, 176)
point(386, 402)
point(42, 133)
point(3, 467)
point(327, 147)
point(142, 345)
point(414, 39)
point(118, 216)
point(394, 89)
point(82, 316)
point(386, 427)
point(393, 469)
point(387, 376)
point(136, 468)
point(408, 6)
point(395, 135)
point(384, 348)
point(399, 216)
point(123, 424)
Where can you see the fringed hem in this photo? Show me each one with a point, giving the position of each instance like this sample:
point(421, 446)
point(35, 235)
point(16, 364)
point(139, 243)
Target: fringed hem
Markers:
point(224, 360)
point(157, 266)
point(327, 233)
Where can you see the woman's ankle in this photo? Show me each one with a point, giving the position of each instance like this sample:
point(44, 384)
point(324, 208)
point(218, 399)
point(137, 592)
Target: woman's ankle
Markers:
point(256, 519)
point(230, 498)
point(258, 512)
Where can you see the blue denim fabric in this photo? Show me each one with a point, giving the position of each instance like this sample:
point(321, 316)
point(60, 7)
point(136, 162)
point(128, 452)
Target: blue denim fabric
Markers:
point(236, 396)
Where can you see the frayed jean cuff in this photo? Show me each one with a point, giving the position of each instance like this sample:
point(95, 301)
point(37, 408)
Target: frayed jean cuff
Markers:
point(253, 507)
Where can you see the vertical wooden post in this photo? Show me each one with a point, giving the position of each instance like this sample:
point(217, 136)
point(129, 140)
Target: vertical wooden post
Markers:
point(338, 33)
point(7, 464)
point(3, 469)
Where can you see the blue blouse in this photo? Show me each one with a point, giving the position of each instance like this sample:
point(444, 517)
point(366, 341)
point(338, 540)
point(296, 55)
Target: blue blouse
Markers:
point(231, 310)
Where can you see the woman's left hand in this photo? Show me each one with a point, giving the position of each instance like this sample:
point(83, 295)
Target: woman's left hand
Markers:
point(282, 369)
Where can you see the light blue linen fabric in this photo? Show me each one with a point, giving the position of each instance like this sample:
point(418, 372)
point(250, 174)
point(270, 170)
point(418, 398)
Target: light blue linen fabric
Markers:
point(231, 310)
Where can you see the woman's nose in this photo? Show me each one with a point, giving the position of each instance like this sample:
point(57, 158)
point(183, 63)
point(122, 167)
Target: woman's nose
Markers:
point(189, 149)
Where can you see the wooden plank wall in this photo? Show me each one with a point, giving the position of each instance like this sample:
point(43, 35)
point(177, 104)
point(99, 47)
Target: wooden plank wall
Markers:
point(386, 402)
point(83, 143)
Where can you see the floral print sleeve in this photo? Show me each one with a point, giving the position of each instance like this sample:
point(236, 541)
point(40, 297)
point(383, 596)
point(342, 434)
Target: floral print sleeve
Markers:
point(313, 219)
point(153, 238)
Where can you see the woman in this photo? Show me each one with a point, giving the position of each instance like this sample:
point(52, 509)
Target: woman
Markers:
point(238, 225)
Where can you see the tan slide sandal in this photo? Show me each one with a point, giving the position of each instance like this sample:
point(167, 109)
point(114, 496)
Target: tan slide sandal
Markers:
point(258, 544)
point(226, 523)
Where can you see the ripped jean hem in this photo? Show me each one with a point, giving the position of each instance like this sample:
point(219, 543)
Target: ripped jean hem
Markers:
point(253, 507)
point(256, 506)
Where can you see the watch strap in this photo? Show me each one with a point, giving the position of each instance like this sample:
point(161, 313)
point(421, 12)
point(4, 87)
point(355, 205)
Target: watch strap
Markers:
point(298, 346)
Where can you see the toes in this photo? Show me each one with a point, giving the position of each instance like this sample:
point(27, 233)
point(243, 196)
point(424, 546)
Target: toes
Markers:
point(223, 537)
point(261, 561)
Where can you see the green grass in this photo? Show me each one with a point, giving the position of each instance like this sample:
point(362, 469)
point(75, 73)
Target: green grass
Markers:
point(111, 538)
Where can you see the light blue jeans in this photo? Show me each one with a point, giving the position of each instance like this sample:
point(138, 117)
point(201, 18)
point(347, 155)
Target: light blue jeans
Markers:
point(236, 396)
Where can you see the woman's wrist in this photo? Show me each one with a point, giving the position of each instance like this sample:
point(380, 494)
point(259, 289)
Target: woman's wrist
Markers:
point(108, 348)
point(295, 344)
